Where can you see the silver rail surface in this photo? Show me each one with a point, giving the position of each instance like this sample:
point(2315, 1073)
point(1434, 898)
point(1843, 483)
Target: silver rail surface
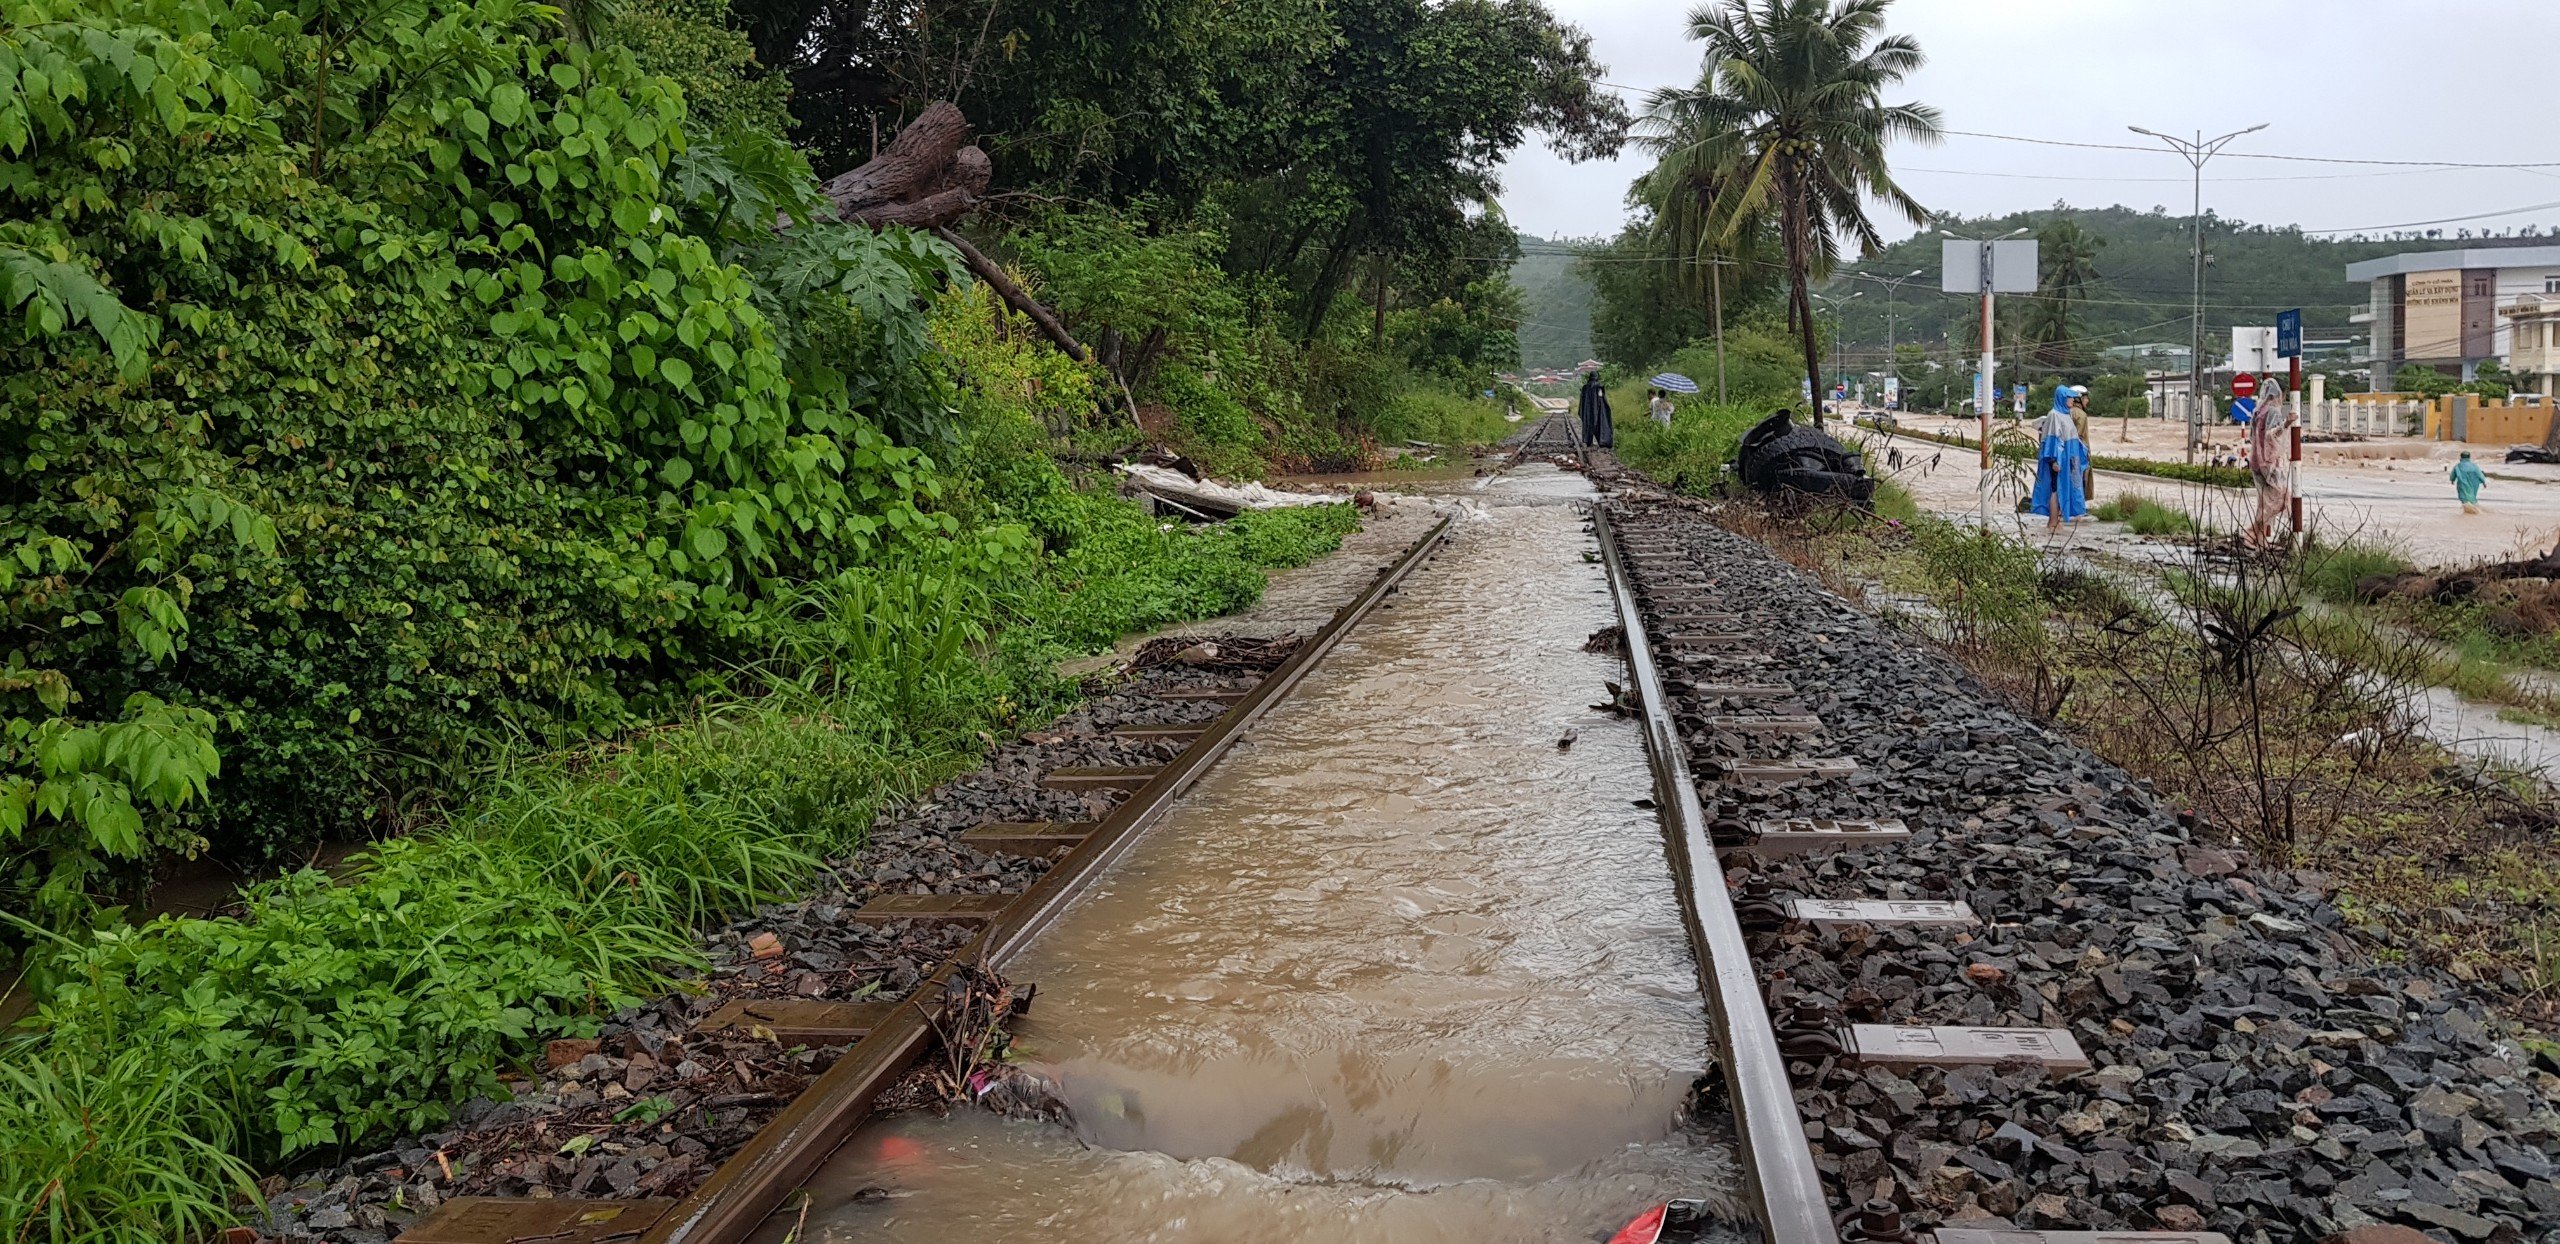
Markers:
point(1776, 1157)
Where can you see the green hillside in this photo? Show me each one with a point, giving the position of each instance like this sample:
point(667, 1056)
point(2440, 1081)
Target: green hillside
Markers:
point(2142, 290)
point(1555, 299)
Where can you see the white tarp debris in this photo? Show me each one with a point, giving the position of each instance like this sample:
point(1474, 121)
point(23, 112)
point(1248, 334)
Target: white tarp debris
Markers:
point(1173, 486)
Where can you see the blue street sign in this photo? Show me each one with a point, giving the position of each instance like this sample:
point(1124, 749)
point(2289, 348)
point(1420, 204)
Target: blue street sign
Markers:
point(2289, 334)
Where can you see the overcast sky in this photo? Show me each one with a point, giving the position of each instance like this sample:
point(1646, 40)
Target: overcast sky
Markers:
point(2364, 79)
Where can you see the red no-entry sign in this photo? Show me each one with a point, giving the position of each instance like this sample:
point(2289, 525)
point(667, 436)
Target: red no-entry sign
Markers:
point(2244, 385)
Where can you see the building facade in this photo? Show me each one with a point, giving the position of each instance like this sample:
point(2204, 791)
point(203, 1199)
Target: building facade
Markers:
point(2443, 309)
point(2533, 342)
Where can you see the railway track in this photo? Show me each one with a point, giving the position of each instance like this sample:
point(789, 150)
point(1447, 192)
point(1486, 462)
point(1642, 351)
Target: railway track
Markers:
point(1949, 985)
point(1550, 437)
point(1978, 985)
point(880, 1042)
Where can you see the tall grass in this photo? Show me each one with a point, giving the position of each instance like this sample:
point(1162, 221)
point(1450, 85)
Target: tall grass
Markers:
point(1440, 415)
point(2331, 571)
point(1690, 455)
point(2145, 516)
point(115, 1145)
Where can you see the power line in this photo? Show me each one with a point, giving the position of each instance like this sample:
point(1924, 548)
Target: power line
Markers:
point(2232, 155)
point(1958, 172)
point(2254, 155)
point(2412, 224)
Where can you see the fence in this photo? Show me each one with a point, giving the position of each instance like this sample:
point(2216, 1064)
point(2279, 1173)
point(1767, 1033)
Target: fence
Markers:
point(2524, 419)
point(2362, 415)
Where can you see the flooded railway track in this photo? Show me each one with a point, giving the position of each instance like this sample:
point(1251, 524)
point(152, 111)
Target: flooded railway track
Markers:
point(883, 1040)
point(1955, 978)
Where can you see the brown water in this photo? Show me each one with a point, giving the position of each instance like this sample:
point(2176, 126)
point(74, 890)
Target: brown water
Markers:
point(1398, 969)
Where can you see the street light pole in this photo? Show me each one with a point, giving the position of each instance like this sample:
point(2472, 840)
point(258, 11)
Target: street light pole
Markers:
point(1892, 285)
point(2196, 151)
point(1839, 329)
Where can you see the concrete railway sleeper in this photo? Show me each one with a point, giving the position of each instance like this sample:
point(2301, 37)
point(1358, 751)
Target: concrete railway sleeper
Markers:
point(1998, 993)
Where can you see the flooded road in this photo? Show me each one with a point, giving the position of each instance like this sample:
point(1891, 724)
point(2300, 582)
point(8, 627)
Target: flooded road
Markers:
point(1398, 969)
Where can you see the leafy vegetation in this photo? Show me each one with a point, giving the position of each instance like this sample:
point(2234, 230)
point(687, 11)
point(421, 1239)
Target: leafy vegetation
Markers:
point(1786, 128)
point(568, 884)
point(458, 418)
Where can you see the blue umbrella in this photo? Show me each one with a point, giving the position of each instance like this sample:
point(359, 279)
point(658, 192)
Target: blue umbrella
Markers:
point(1674, 382)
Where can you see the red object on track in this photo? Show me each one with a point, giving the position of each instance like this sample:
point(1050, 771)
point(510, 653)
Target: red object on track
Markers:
point(1646, 1229)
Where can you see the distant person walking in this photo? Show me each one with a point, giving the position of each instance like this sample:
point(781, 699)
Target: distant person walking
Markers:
point(2467, 478)
point(1660, 407)
point(1597, 431)
point(2061, 458)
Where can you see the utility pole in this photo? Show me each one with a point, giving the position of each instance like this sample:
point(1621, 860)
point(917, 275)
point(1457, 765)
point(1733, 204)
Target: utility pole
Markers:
point(2196, 151)
point(1986, 388)
point(1715, 302)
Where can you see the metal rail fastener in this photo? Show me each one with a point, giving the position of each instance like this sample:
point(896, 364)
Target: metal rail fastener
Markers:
point(1775, 1154)
point(755, 1181)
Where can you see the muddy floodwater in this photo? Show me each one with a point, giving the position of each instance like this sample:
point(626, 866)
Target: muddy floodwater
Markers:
point(1398, 969)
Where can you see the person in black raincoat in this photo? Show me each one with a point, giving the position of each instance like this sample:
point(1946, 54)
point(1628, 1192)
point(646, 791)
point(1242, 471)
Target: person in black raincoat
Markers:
point(1596, 429)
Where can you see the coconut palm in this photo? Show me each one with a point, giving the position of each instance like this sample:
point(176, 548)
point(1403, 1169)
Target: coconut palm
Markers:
point(1788, 120)
point(1679, 197)
point(2069, 255)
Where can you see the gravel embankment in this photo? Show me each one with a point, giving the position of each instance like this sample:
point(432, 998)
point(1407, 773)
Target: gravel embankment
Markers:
point(2256, 1071)
point(650, 1107)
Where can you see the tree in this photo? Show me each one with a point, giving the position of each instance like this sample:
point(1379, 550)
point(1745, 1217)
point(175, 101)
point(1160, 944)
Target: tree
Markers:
point(2069, 257)
point(1790, 120)
point(1724, 269)
point(1404, 126)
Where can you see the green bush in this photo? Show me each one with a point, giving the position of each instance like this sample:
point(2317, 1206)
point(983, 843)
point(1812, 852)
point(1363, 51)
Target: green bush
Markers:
point(1691, 455)
point(1989, 589)
point(372, 389)
point(1439, 415)
point(2331, 571)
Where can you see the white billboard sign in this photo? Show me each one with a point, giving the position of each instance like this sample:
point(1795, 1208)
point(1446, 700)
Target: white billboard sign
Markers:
point(2254, 349)
point(2010, 266)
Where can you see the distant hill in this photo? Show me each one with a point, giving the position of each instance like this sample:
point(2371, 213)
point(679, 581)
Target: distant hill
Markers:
point(1555, 320)
point(2143, 291)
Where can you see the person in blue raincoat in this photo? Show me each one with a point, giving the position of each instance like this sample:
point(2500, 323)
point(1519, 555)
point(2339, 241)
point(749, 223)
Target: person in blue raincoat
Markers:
point(2062, 458)
point(2467, 477)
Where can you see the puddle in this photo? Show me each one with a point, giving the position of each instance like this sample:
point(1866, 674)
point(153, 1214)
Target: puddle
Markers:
point(1398, 969)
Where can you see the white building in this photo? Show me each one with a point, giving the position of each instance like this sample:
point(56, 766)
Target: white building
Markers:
point(2443, 309)
point(2532, 327)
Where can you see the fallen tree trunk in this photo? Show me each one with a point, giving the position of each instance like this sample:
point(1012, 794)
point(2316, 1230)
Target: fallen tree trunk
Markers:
point(929, 160)
point(926, 178)
point(989, 271)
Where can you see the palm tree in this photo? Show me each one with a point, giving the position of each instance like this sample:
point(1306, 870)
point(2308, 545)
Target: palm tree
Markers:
point(1788, 118)
point(2069, 255)
point(1680, 194)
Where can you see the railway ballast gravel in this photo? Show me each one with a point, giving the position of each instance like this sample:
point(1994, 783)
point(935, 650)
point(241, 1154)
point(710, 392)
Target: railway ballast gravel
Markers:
point(2257, 1070)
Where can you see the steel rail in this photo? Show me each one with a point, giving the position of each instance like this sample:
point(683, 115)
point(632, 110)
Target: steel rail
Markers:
point(756, 1180)
point(1775, 1153)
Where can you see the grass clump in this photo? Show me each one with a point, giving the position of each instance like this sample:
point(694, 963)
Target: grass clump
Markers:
point(2332, 571)
point(2145, 516)
point(1693, 453)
